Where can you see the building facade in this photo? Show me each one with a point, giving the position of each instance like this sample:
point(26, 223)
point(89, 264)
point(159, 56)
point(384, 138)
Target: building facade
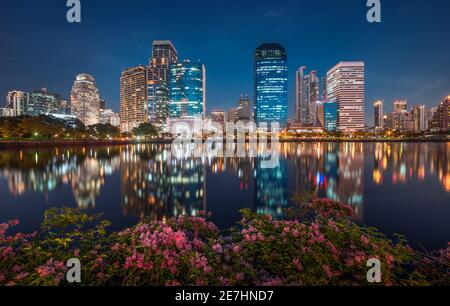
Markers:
point(43, 102)
point(271, 84)
point(18, 101)
point(330, 115)
point(306, 95)
point(85, 99)
point(164, 56)
point(346, 86)
point(108, 116)
point(187, 98)
point(133, 98)
point(419, 117)
point(378, 114)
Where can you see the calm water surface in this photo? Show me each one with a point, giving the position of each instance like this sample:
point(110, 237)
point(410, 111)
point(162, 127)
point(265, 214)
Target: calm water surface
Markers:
point(396, 187)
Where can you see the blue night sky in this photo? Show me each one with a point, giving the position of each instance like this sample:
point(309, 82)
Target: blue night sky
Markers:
point(406, 56)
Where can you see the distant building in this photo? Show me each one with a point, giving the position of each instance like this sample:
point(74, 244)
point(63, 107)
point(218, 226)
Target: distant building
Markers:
point(233, 115)
point(330, 115)
point(133, 98)
point(244, 108)
point(219, 116)
point(378, 114)
point(419, 117)
point(164, 56)
point(306, 95)
point(18, 101)
point(6, 112)
point(319, 111)
point(187, 98)
point(108, 116)
point(44, 102)
point(400, 105)
point(441, 119)
point(345, 85)
point(85, 99)
point(271, 85)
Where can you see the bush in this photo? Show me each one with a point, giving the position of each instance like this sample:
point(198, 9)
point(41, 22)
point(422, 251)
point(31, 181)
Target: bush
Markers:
point(321, 247)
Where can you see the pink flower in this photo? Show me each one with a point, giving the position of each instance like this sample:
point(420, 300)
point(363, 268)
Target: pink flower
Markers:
point(236, 249)
point(364, 240)
point(298, 265)
point(328, 271)
point(21, 276)
point(217, 248)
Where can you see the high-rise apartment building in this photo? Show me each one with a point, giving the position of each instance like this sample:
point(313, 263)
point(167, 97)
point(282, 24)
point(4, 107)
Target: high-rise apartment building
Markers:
point(18, 102)
point(187, 97)
point(164, 55)
point(244, 108)
point(378, 114)
point(346, 86)
point(400, 105)
point(441, 118)
point(85, 99)
point(133, 98)
point(306, 95)
point(271, 84)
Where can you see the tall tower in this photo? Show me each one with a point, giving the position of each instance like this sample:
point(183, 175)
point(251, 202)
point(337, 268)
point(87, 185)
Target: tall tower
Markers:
point(345, 86)
point(271, 84)
point(133, 98)
point(18, 102)
point(378, 111)
point(85, 99)
point(187, 90)
point(306, 95)
point(164, 55)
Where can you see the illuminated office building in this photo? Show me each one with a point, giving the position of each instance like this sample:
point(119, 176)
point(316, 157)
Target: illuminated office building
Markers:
point(187, 90)
point(345, 85)
point(164, 55)
point(85, 99)
point(271, 84)
point(306, 95)
point(378, 110)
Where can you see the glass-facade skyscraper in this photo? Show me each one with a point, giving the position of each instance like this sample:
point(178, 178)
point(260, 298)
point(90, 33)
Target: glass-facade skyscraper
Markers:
point(187, 90)
point(164, 55)
point(271, 84)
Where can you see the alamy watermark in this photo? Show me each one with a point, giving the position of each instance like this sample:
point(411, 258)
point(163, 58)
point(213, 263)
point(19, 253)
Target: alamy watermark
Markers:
point(74, 12)
point(374, 13)
point(197, 139)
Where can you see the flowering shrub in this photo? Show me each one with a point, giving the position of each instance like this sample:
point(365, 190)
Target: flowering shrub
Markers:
point(320, 246)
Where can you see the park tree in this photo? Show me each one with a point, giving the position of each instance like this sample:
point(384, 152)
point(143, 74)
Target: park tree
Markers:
point(146, 130)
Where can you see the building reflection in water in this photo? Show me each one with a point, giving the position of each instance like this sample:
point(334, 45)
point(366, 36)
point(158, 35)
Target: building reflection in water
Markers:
point(156, 185)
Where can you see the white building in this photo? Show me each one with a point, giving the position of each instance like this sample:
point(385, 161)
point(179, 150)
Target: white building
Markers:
point(18, 102)
point(345, 86)
point(108, 116)
point(85, 100)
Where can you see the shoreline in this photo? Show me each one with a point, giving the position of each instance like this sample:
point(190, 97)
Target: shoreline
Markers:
point(14, 144)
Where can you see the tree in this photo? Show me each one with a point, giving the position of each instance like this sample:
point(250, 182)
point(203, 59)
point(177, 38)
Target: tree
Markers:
point(146, 130)
point(104, 130)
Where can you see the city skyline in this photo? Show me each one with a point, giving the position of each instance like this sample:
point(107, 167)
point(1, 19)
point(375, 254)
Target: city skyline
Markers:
point(388, 75)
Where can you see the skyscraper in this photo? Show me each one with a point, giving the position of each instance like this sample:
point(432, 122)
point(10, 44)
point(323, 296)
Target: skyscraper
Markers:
point(44, 102)
point(164, 55)
point(306, 96)
point(187, 98)
point(271, 84)
point(419, 117)
point(133, 98)
point(378, 108)
point(85, 99)
point(400, 105)
point(18, 102)
point(345, 85)
point(244, 108)
point(441, 117)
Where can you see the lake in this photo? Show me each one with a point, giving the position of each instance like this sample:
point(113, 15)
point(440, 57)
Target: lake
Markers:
point(396, 187)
